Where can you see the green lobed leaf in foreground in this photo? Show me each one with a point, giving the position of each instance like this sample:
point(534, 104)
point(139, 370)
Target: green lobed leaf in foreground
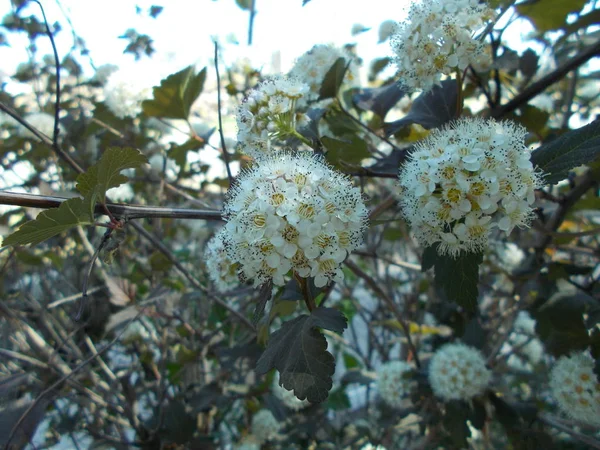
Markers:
point(106, 173)
point(69, 214)
point(457, 276)
point(572, 149)
point(174, 97)
point(333, 79)
point(298, 350)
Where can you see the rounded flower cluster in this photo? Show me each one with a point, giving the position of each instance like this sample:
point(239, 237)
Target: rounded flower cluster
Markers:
point(393, 382)
point(465, 180)
point(269, 112)
point(293, 212)
point(288, 398)
point(458, 372)
point(439, 38)
point(124, 97)
point(576, 388)
point(264, 425)
point(221, 270)
point(313, 65)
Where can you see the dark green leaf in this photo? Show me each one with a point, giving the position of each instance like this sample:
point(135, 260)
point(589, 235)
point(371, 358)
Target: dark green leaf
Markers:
point(572, 149)
point(338, 400)
point(377, 65)
point(333, 79)
point(356, 376)
point(549, 15)
point(299, 352)
point(429, 258)
point(379, 100)
point(174, 97)
point(155, 10)
point(244, 4)
point(474, 335)
point(350, 362)
point(455, 423)
point(51, 222)
point(430, 110)
point(106, 173)
point(528, 63)
point(351, 151)
point(459, 277)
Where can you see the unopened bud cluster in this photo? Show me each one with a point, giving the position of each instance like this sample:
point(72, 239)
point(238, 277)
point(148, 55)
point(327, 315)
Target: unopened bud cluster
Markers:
point(222, 271)
point(293, 212)
point(393, 382)
point(269, 113)
point(438, 38)
point(576, 387)
point(458, 372)
point(465, 180)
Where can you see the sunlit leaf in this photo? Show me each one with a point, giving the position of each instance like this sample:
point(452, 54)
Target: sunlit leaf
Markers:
point(549, 15)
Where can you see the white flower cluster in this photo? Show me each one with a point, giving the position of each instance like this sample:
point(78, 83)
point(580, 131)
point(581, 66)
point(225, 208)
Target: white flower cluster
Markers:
point(523, 341)
point(313, 65)
point(438, 38)
point(221, 270)
point(576, 388)
point(124, 97)
point(393, 382)
point(264, 425)
point(458, 372)
point(293, 212)
point(288, 398)
point(269, 112)
point(466, 179)
point(41, 121)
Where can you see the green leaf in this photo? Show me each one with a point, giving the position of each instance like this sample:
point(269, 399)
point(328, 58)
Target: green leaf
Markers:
point(333, 79)
point(51, 222)
point(430, 110)
point(338, 400)
point(379, 100)
point(572, 149)
point(174, 97)
point(351, 151)
point(455, 423)
point(298, 350)
point(457, 276)
point(549, 15)
point(106, 173)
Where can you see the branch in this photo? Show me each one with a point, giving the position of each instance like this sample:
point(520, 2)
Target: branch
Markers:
point(539, 86)
point(120, 210)
point(548, 420)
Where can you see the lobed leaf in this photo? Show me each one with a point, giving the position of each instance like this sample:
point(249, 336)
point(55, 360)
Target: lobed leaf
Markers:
point(299, 352)
point(430, 110)
point(106, 173)
point(51, 222)
point(174, 97)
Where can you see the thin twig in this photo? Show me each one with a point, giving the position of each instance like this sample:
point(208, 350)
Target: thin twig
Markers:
point(251, 21)
point(224, 147)
point(548, 420)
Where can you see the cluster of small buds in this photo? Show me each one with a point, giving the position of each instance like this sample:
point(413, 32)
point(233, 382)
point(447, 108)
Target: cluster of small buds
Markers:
point(576, 388)
point(221, 270)
point(124, 97)
point(288, 398)
point(458, 372)
point(293, 212)
point(269, 113)
point(393, 382)
point(466, 179)
point(264, 425)
point(313, 65)
point(439, 38)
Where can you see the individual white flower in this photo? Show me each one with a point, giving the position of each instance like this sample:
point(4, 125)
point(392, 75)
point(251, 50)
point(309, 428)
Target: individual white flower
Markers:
point(264, 425)
point(393, 382)
point(249, 442)
point(41, 121)
point(313, 65)
point(288, 398)
point(458, 372)
point(576, 387)
point(466, 179)
point(124, 96)
point(293, 212)
point(509, 255)
point(221, 270)
point(269, 114)
point(439, 37)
